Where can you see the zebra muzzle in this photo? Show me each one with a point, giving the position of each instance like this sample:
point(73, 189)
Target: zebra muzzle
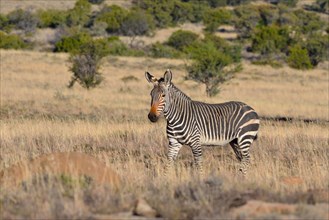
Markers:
point(152, 117)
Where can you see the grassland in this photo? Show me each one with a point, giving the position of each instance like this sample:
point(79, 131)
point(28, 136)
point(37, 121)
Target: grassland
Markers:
point(40, 115)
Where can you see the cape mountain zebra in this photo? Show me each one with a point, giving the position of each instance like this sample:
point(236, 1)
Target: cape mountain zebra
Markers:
point(196, 123)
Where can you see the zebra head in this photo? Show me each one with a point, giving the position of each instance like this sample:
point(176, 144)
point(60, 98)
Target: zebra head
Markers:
point(159, 94)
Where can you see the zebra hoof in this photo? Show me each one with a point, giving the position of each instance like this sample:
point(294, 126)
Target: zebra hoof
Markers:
point(242, 172)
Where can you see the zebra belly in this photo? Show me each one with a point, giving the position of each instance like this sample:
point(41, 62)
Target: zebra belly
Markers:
point(215, 142)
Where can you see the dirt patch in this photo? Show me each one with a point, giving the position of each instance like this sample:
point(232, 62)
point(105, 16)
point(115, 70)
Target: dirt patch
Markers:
point(260, 209)
point(68, 163)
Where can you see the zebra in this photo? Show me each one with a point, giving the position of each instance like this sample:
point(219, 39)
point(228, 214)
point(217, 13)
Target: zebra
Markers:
point(196, 124)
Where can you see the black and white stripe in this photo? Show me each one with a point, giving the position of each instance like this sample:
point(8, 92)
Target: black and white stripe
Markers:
point(196, 124)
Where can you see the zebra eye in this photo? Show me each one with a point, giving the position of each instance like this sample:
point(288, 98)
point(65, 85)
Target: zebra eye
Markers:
point(163, 95)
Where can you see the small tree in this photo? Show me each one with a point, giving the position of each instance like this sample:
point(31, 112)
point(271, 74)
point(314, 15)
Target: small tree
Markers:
point(85, 64)
point(210, 66)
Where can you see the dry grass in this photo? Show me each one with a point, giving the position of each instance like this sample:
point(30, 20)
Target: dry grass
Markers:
point(40, 115)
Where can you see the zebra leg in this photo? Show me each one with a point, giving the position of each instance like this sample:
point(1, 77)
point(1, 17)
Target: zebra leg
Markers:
point(244, 143)
point(174, 147)
point(235, 147)
point(197, 154)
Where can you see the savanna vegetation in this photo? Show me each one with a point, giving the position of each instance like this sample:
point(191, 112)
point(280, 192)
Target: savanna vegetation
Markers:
point(272, 56)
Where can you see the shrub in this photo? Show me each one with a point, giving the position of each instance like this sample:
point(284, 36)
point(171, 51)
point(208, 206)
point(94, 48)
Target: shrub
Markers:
point(210, 66)
point(86, 63)
point(11, 41)
point(72, 43)
point(321, 6)
point(246, 19)
point(137, 23)
point(317, 47)
point(51, 18)
point(198, 12)
point(307, 22)
point(98, 28)
point(298, 58)
point(182, 12)
point(215, 17)
point(4, 23)
point(160, 10)
point(180, 39)
point(24, 20)
point(158, 50)
point(79, 15)
point(268, 15)
point(116, 47)
point(269, 39)
point(113, 16)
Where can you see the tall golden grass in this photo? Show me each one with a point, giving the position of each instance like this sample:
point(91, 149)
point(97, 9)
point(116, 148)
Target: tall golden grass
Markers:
point(39, 115)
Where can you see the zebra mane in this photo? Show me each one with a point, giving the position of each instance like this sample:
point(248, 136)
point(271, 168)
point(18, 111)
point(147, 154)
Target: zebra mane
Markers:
point(176, 90)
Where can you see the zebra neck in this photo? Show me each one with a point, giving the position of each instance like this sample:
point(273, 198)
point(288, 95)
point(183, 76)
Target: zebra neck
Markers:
point(178, 104)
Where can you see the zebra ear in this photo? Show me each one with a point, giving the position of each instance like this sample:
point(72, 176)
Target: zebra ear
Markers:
point(167, 77)
point(150, 78)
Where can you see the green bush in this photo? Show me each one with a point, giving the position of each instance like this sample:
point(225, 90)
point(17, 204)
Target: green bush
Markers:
point(317, 48)
point(116, 47)
point(51, 18)
point(159, 50)
point(215, 17)
point(113, 16)
point(72, 43)
point(268, 15)
point(4, 23)
point(307, 22)
point(79, 15)
point(11, 41)
point(268, 40)
point(182, 12)
point(180, 39)
point(246, 19)
point(160, 10)
point(298, 58)
point(198, 12)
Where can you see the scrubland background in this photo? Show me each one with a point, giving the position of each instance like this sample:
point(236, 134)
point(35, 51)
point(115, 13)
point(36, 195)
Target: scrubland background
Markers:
point(39, 115)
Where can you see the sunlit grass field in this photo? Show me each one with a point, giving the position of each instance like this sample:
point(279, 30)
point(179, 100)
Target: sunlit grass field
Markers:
point(40, 115)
